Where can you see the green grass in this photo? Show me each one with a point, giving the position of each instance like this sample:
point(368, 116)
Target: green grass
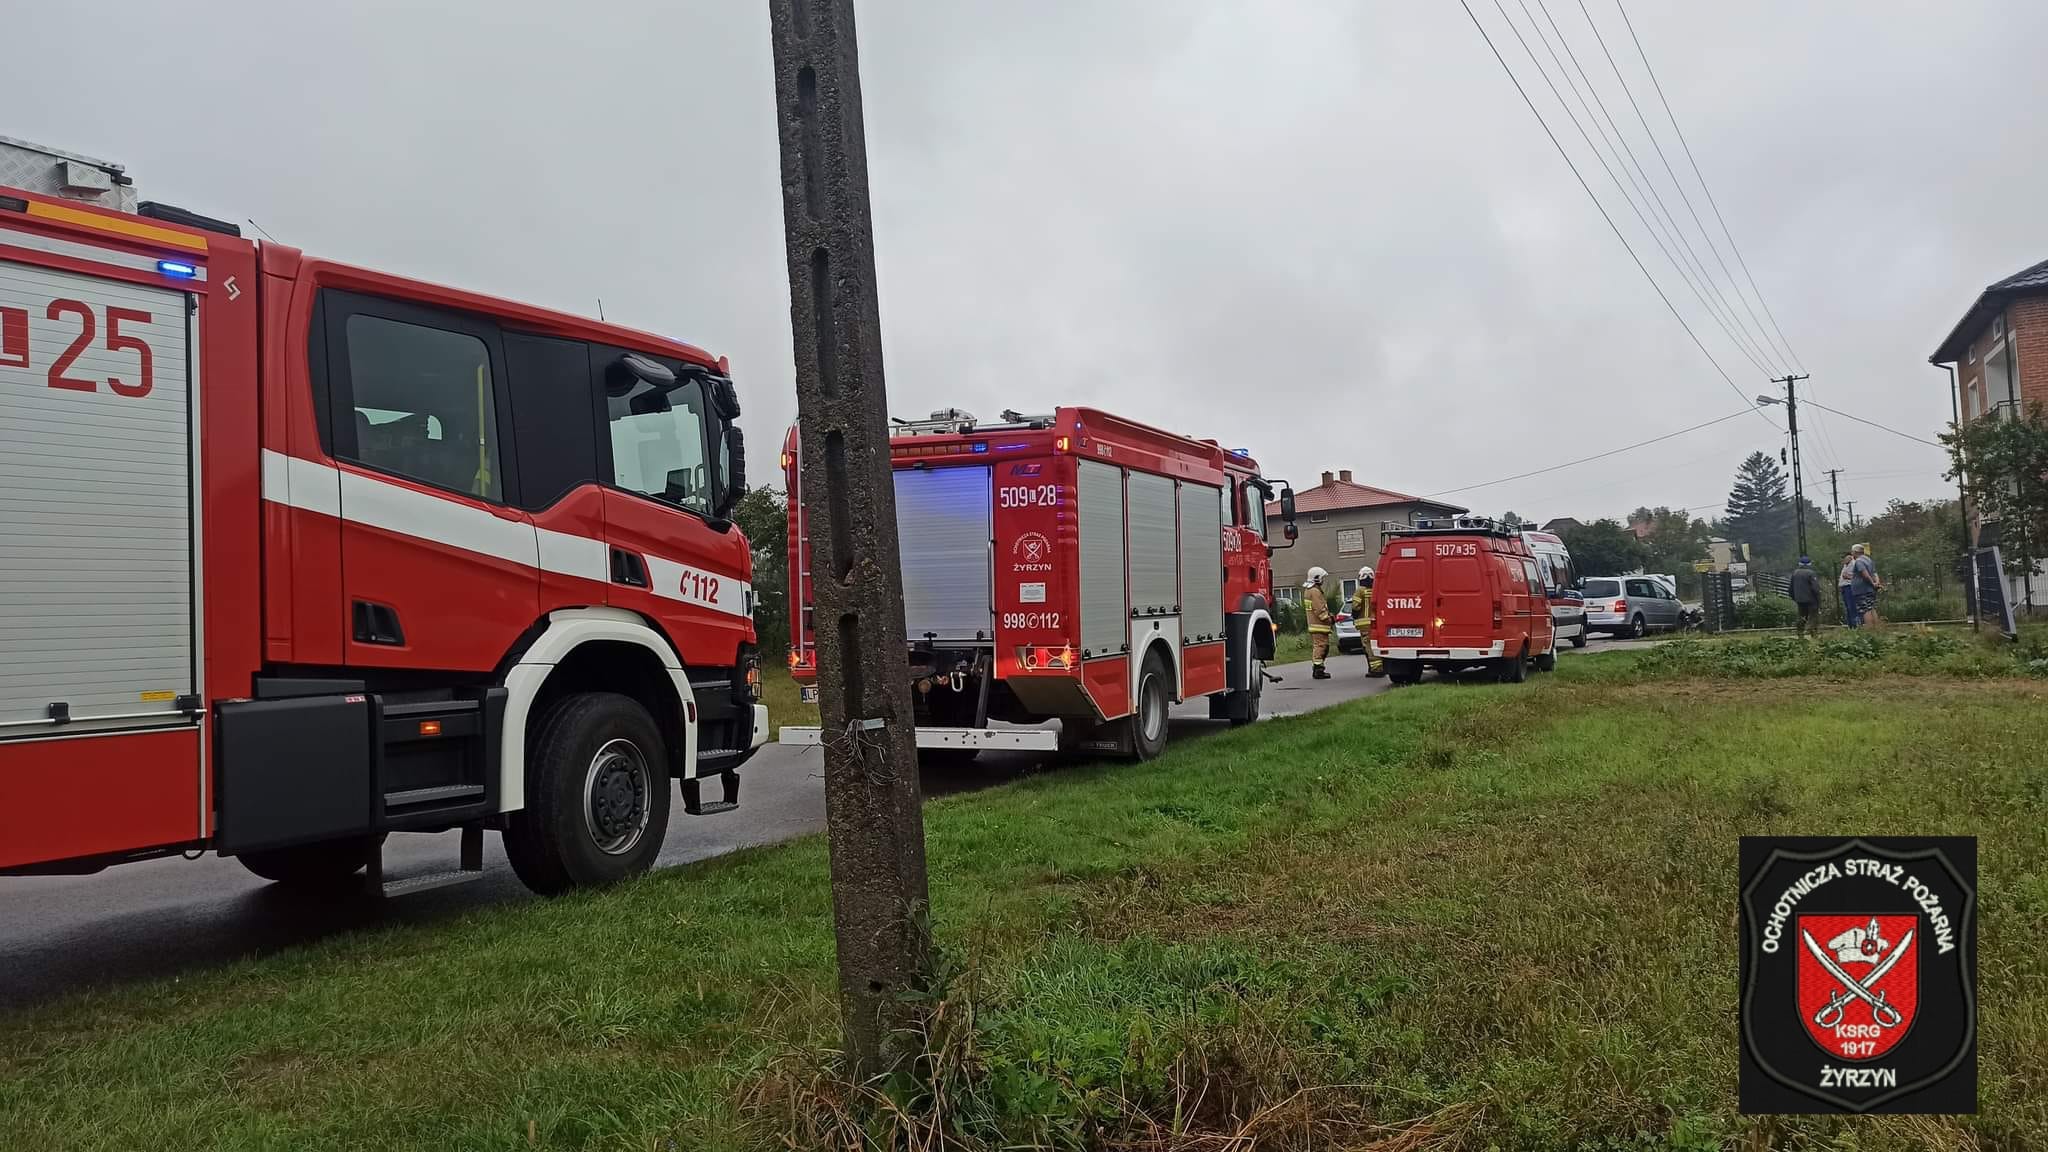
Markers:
point(1455, 915)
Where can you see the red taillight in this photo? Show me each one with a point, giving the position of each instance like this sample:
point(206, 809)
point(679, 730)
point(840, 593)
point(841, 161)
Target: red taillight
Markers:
point(1621, 606)
point(1036, 659)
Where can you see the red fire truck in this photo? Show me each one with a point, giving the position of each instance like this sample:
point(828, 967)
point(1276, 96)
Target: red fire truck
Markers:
point(1077, 566)
point(294, 555)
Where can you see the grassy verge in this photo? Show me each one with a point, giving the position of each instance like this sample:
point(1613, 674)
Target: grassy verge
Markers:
point(1474, 916)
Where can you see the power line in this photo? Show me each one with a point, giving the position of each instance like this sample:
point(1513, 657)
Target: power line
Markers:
point(1701, 177)
point(1725, 315)
point(1649, 222)
point(1876, 425)
point(1590, 459)
point(1675, 181)
point(1658, 288)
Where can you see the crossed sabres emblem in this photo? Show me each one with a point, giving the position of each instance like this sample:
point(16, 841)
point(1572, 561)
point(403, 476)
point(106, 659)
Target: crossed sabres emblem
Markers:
point(1858, 945)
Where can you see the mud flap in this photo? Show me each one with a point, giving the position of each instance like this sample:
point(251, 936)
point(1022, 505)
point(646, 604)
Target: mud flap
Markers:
point(1110, 739)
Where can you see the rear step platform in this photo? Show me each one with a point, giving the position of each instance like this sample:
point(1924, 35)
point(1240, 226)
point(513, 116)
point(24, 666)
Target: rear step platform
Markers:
point(471, 867)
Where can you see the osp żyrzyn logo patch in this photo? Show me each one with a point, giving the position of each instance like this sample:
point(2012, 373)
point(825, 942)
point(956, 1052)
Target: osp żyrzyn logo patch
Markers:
point(1859, 969)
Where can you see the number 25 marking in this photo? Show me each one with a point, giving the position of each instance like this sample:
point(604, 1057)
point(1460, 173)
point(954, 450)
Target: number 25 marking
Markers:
point(88, 326)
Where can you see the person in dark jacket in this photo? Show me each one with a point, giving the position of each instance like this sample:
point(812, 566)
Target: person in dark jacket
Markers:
point(1806, 594)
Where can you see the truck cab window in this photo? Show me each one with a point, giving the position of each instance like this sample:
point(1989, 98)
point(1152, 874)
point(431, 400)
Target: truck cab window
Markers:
point(1254, 517)
point(658, 444)
point(423, 405)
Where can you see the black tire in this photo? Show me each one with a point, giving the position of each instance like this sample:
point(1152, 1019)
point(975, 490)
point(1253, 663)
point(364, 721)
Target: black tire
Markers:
point(1513, 669)
point(1636, 627)
point(1148, 719)
point(597, 796)
point(1247, 701)
point(1402, 673)
point(326, 865)
point(1547, 662)
point(1585, 634)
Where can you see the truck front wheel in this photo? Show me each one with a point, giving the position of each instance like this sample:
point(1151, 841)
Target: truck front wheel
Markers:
point(597, 796)
point(330, 864)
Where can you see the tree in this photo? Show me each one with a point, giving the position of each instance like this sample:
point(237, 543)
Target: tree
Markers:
point(1512, 522)
point(1759, 511)
point(2003, 464)
point(1603, 548)
point(763, 515)
point(1675, 540)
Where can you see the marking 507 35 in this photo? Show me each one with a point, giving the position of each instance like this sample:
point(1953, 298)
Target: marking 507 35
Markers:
point(14, 346)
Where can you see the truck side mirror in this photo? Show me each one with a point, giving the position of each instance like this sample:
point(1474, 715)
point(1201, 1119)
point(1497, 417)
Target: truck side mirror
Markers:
point(732, 472)
point(1287, 506)
point(1290, 531)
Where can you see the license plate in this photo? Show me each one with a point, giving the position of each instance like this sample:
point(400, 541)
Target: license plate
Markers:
point(807, 693)
point(1405, 633)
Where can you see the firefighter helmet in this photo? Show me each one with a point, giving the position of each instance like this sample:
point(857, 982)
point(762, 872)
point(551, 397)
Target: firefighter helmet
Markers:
point(1316, 576)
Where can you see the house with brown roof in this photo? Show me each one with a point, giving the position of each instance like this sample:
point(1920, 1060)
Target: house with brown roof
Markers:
point(2000, 347)
point(1998, 353)
point(1343, 526)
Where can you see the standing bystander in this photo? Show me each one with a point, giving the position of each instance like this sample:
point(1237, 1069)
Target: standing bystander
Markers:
point(1805, 590)
point(1847, 583)
point(1864, 587)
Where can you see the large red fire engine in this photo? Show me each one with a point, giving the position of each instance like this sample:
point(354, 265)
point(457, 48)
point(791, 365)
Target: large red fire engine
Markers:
point(1076, 566)
point(294, 555)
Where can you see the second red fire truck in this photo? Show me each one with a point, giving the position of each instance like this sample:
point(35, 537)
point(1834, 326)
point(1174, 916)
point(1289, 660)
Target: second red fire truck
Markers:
point(1076, 566)
point(295, 554)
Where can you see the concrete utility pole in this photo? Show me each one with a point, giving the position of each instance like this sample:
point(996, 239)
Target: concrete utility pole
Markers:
point(1798, 482)
point(1835, 497)
point(1852, 515)
point(873, 812)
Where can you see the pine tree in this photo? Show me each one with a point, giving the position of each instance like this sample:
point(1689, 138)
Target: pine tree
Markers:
point(1759, 510)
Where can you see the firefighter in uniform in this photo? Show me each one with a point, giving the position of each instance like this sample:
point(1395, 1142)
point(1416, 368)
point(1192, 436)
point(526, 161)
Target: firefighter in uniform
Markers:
point(1317, 608)
point(1361, 615)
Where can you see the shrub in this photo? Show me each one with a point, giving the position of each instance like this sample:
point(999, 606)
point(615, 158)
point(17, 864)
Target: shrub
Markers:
point(1766, 611)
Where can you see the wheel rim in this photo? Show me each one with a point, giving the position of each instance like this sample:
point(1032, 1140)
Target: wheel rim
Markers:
point(1635, 628)
point(616, 788)
point(1152, 704)
point(1258, 677)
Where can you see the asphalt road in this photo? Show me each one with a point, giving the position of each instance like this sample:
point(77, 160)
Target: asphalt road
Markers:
point(65, 934)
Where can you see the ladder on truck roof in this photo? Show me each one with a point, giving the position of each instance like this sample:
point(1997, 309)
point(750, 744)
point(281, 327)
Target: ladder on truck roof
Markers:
point(959, 422)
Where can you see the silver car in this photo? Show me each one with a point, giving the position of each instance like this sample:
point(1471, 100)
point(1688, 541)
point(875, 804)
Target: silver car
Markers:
point(1631, 605)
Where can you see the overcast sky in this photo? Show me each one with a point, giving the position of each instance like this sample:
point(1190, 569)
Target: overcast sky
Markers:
point(1329, 232)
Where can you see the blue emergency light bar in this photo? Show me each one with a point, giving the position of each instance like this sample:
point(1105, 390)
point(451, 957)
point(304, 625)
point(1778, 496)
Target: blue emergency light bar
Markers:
point(176, 268)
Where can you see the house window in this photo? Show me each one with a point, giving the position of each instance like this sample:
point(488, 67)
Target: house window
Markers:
point(1350, 541)
point(1350, 589)
point(1319, 517)
point(1287, 595)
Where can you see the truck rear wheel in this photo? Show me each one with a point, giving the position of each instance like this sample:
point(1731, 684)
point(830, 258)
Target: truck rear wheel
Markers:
point(1402, 673)
point(597, 796)
point(1148, 718)
point(329, 864)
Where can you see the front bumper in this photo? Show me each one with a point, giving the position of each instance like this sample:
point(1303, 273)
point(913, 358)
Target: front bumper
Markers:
point(1447, 655)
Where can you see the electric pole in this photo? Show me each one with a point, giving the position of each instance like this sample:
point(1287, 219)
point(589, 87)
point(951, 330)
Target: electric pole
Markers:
point(874, 823)
point(1798, 482)
point(1852, 515)
point(1835, 497)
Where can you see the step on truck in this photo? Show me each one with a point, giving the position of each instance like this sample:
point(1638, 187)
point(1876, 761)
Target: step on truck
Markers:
point(295, 555)
point(1075, 566)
